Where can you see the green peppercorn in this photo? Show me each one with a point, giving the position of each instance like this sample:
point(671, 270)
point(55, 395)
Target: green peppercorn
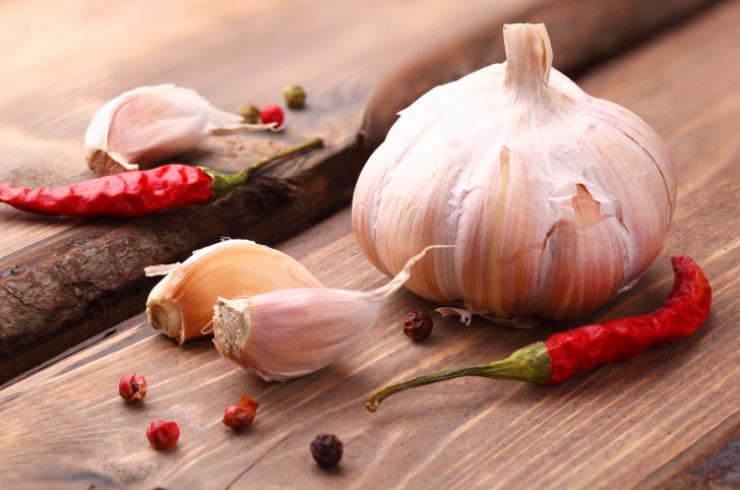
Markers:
point(295, 96)
point(249, 113)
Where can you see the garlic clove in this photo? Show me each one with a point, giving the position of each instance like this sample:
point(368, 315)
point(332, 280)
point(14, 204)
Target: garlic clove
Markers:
point(292, 332)
point(181, 304)
point(289, 333)
point(149, 124)
point(555, 200)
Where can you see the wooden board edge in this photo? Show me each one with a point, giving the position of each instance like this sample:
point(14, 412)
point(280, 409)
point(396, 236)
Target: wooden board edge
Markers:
point(712, 462)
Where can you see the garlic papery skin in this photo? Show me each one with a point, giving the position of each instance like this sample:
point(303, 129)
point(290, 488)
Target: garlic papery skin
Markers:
point(149, 124)
point(555, 200)
point(181, 304)
point(289, 333)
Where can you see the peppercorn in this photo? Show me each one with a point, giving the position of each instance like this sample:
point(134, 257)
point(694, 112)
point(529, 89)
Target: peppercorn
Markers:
point(272, 113)
point(326, 449)
point(418, 325)
point(249, 113)
point(132, 387)
point(295, 96)
point(163, 435)
point(241, 415)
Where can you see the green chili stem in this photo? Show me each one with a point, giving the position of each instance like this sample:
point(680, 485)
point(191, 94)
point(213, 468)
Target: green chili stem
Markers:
point(530, 363)
point(223, 183)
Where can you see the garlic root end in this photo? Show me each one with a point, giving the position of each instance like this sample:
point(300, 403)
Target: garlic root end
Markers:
point(231, 324)
point(101, 163)
point(165, 316)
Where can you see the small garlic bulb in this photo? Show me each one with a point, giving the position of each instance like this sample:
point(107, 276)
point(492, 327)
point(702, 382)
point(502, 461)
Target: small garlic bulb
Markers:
point(181, 304)
point(555, 200)
point(149, 124)
point(289, 333)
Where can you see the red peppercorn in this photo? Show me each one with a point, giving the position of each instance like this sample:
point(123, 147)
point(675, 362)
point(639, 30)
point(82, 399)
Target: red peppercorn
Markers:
point(163, 435)
point(132, 387)
point(326, 449)
point(418, 325)
point(241, 415)
point(272, 113)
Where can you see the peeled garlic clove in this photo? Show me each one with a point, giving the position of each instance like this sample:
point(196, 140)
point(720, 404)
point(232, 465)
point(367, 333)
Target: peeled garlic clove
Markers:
point(181, 304)
point(149, 124)
point(293, 332)
point(555, 200)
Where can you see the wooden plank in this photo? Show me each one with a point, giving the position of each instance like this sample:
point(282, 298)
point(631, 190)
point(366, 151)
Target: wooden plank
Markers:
point(670, 415)
point(63, 280)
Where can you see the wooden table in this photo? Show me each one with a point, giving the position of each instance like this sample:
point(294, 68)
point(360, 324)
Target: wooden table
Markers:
point(669, 418)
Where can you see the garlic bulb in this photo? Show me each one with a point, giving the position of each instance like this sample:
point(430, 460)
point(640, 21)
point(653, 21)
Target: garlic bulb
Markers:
point(289, 333)
point(149, 124)
point(181, 304)
point(554, 200)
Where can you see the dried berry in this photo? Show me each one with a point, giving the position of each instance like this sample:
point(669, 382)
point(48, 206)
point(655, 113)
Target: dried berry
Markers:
point(272, 113)
point(295, 96)
point(326, 449)
point(163, 435)
point(249, 113)
point(418, 325)
point(241, 415)
point(132, 387)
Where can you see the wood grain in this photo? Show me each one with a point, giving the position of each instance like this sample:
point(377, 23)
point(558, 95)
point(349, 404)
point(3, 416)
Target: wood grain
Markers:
point(63, 280)
point(668, 418)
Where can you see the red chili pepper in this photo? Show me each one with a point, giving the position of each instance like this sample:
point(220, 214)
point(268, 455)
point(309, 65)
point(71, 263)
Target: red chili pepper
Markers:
point(567, 353)
point(136, 193)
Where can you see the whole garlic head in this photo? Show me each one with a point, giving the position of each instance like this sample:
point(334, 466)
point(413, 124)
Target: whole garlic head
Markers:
point(148, 124)
point(555, 201)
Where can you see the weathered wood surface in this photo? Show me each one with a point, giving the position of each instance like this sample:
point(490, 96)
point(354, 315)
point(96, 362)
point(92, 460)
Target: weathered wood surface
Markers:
point(63, 280)
point(669, 418)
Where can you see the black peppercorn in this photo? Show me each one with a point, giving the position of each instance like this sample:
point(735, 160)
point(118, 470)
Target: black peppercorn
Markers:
point(418, 325)
point(326, 449)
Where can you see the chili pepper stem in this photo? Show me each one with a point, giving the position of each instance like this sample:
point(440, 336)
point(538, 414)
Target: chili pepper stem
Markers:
point(223, 183)
point(530, 363)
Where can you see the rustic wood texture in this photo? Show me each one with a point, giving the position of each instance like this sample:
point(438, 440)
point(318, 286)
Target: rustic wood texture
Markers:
point(62, 280)
point(669, 418)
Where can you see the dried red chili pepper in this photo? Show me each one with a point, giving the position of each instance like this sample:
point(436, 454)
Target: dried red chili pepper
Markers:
point(137, 193)
point(567, 353)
